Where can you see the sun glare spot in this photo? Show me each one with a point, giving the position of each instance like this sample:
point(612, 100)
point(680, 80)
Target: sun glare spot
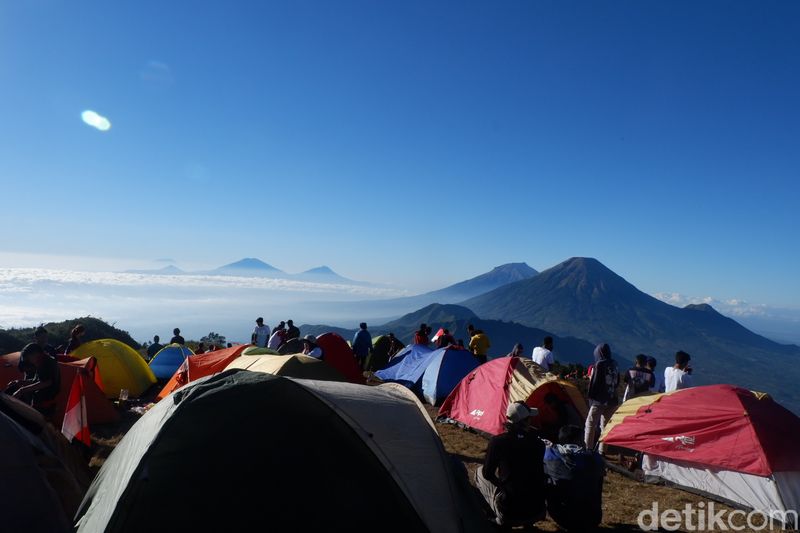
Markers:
point(96, 120)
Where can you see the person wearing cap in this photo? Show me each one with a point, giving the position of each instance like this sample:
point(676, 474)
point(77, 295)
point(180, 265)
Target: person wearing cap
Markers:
point(261, 334)
point(310, 347)
point(574, 492)
point(512, 479)
point(292, 331)
point(602, 395)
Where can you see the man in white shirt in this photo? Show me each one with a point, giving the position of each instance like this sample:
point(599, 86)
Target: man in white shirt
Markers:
point(260, 333)
point(543, 355)
point(679, 376)
point(310, 347)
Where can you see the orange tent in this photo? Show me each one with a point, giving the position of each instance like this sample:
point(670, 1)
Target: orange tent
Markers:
point(198, 366)
point(98, 409)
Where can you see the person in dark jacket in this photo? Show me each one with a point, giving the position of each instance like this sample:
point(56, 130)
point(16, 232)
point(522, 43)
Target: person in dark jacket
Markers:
point(154, 347)
point(75, 338)
point(41, 381)
point(362, 345)
point(512, 479)
point(445, 339)
point(574, 482)
point(177, 338)
point(602, 395)
point(292, 331)
point(638, 379)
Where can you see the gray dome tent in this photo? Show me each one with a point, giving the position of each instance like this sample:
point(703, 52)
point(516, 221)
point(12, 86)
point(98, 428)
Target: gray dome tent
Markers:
point(289, 454)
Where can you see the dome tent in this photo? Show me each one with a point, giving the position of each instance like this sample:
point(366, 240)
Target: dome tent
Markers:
point(481, 399)
point(121, 367)
point(168, 360)
point(199, 366)
point(337, 353)
point(376, 437)
point(446, 369)
point(408, 366)
point(290, 366)
point(719, 440)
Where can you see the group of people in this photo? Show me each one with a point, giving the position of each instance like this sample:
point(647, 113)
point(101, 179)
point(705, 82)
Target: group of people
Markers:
point(479, 342)
point(264, 337)
point(38, 364)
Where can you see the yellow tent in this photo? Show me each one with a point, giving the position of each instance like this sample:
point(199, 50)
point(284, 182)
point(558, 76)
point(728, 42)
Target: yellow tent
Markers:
point(121, 367)
point(290, 366)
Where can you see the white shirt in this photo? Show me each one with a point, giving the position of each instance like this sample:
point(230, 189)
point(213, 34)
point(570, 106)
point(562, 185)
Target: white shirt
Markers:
point(315, 353)
point(542, 357)
point(676, 379)
point(262, 335)
point(275, 340)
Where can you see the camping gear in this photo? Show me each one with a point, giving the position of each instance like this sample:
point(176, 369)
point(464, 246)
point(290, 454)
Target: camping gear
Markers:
point(333, 437)
point(43, 477)
point(121, 367)
point(168, 360)
point(337, 353)
point(258, 350)
point(481, 399)
point(290, 366)
point(199, 366)
point(719, 440)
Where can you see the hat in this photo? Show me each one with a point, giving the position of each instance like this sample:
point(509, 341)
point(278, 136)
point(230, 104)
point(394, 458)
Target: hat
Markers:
point(517, 412)
point(310, 338)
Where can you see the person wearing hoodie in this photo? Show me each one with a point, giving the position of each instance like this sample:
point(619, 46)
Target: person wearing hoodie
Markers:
point(362, 345)
point(574, 490)
point(602, 395)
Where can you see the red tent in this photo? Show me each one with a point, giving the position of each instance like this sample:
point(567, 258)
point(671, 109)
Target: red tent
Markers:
point(98, 409)
point(481, 399)
point(199, 366)
point(337, 353)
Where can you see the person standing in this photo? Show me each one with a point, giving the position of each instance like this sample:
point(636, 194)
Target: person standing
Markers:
point(421, 335)
point(41, 337)
point(75, 338)
point(512, 479)
point(479, 344)
point(277, 339)
point(679, 376)
point(280, 326)
point(658, 378)
point(602, 395)
point(177, 338)
point(292, 331)
point(638, 379)
point(261, 334)
point(543, 355)
point(154, 347)
point(362, 345)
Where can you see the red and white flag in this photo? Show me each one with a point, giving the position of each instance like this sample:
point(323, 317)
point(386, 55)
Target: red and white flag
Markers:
point(76, 423)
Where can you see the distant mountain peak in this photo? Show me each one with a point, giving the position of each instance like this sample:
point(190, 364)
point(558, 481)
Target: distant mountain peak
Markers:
point(702, 307)
point(321, 270)
point(249, 263)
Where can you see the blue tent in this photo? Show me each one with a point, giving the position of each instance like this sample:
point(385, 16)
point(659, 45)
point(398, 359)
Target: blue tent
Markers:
point(446, 368)
point(407, 366)
point(168, 359)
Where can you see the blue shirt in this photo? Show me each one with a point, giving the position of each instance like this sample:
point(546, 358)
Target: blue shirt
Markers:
point(362, 343)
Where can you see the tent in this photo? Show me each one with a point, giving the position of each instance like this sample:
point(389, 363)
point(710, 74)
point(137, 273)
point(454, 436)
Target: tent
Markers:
point(257, 350)
point(199, 366)
point(481, 399)
point(719, 440)
point(121, 367)
point(446, 369)
point(290, 347)
point(407, 366)
point(337, 353)
point(168, 360)
point(290, 366)
point(378, 442)
point(43, 477)
point(380, 353)
point(98, 409)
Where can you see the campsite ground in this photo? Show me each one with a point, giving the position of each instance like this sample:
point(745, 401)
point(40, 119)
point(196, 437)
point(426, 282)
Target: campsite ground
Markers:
point(623, 497)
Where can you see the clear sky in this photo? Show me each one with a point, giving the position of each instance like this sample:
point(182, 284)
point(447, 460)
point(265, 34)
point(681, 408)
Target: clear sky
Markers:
point(413, 142)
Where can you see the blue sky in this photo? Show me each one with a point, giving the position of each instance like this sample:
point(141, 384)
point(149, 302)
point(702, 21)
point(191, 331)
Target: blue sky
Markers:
point(410, 142)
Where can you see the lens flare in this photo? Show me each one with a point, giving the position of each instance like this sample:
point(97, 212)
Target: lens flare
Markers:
point(96, 120)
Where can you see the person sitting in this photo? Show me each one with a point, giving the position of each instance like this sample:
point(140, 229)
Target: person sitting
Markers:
point(362, 345)
point(176, 337)
point(517, 351)
point(512, 479)
point(679, 376)
point(261, 334)
point(479, 344)
point(574, 491)
point(310, 347)
point(292, 331)
point(41, 381)
point(277, 338)
point(421, 335)
point(543, 355)
point(41, 337)
point(658, 378)
point(602, 394)
point(75, 338)
point(154, 347)
point(638, 379)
